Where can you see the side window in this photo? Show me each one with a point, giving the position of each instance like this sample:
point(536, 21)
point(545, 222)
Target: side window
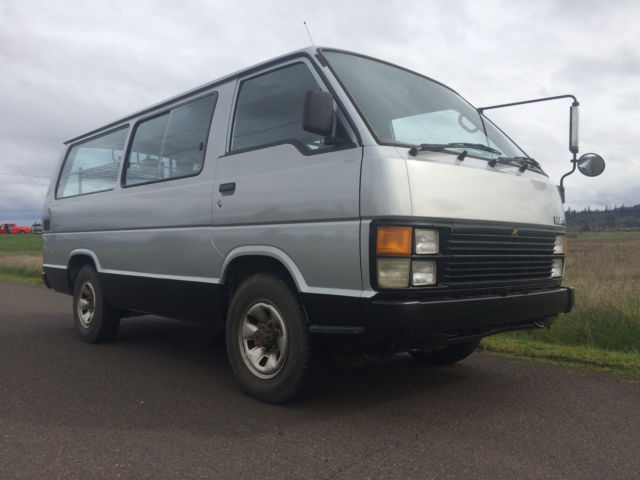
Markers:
point(170, 145)
point(92, 166)
point(269, 109)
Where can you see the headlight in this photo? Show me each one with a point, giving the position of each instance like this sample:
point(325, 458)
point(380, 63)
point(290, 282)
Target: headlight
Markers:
point(393, 272)
point(423, 272)
point(557, 265)
point(400, 262)
point(427, 241)
point(559, 245)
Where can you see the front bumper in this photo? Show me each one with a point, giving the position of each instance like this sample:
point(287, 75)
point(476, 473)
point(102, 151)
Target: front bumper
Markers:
point(403, 324)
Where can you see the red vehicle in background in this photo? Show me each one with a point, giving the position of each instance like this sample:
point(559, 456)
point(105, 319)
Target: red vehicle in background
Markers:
point(13, 228)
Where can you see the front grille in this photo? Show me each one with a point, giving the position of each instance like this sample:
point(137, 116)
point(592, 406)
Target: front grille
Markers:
point(497, 257)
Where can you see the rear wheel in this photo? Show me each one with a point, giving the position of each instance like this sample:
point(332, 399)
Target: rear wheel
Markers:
point(96, 320)
point(446, 356)
point(267, 339)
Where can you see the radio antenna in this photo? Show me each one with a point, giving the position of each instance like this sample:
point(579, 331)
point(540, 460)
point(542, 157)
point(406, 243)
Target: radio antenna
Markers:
point(310, 39)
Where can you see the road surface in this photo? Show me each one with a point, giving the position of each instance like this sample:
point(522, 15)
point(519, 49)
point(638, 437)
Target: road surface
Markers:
point(161, 402)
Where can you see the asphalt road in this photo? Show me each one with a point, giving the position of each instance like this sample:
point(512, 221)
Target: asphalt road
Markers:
point(161, 402)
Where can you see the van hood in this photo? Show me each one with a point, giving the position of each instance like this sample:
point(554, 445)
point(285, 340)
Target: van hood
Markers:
point(480, 192)
point(438, 186)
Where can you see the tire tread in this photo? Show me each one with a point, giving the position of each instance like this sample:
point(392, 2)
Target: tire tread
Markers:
point(106, 320)
point(282, 391)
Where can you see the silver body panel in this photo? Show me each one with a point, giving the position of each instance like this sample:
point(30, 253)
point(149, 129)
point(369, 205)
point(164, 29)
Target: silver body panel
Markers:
point(306, 207)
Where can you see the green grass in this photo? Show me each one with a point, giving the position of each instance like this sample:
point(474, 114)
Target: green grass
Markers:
point(605, 271)
point(597, 359)
point(21, 258)
point(18, 244)
point(17, 276)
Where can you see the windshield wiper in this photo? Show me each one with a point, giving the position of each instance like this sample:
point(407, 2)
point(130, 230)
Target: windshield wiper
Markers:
point(523, 163)
point(436, 147)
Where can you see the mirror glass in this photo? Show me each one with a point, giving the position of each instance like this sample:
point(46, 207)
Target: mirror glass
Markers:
point(591, 164)
point(574, 119)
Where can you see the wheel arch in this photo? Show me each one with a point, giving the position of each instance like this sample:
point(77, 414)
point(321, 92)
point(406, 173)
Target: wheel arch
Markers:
point(261, 258)
point(244, 261)
point(77, 259)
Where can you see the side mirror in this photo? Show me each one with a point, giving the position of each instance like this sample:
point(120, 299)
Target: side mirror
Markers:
point(317, 115)
point(574, 120)
point(591, 164)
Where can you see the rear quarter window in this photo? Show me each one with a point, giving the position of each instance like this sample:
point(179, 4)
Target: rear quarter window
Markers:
point(92, 166)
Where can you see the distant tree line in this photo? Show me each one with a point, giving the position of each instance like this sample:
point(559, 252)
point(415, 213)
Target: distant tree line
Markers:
point(616, 218)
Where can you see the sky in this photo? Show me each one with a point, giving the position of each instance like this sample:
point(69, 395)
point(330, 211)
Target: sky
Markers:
point(67, 67)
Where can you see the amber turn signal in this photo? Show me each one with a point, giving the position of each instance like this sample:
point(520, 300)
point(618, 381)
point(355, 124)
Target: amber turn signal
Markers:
point(393, 241)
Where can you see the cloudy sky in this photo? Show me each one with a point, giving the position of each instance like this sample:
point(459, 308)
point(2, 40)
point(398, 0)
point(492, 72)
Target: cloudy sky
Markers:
point(67, 67)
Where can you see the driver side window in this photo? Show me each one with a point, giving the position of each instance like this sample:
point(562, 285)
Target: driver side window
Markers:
point(269, 110)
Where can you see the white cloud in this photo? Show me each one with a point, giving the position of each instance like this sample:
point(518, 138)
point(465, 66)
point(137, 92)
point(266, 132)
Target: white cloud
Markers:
point(68, 67)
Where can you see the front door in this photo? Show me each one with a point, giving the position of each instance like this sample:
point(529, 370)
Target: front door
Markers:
point(282, 189)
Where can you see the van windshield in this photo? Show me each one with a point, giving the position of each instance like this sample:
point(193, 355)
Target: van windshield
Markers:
point(405, 108)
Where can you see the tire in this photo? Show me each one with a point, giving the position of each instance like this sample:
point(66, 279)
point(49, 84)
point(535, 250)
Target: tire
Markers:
point(267, 339)
point(448, 355)
point(96, 320)
point(21, 232)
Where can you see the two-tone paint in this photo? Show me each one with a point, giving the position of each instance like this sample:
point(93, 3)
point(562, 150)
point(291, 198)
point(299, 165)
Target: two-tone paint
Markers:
point(170, 248)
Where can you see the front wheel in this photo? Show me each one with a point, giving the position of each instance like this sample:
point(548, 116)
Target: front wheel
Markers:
point(96, 319)
point(446, 356)
point(267, 339)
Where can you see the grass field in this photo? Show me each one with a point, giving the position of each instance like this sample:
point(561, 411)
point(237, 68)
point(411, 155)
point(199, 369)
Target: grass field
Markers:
point(21, 258)
point(603, 330)
point(605, 271)
point(595, 358)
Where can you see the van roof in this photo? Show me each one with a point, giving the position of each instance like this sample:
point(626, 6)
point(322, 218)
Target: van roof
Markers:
point(309, 51)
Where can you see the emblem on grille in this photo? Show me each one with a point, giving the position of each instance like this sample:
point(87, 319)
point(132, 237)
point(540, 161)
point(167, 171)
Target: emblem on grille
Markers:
point(514, 231)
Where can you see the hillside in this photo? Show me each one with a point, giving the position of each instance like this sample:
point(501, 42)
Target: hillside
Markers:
point(618, 218)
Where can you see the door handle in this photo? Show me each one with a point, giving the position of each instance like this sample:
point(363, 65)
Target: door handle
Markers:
point(227, 188)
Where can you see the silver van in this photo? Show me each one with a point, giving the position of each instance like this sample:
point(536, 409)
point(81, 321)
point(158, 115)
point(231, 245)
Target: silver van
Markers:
point(320, 199)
